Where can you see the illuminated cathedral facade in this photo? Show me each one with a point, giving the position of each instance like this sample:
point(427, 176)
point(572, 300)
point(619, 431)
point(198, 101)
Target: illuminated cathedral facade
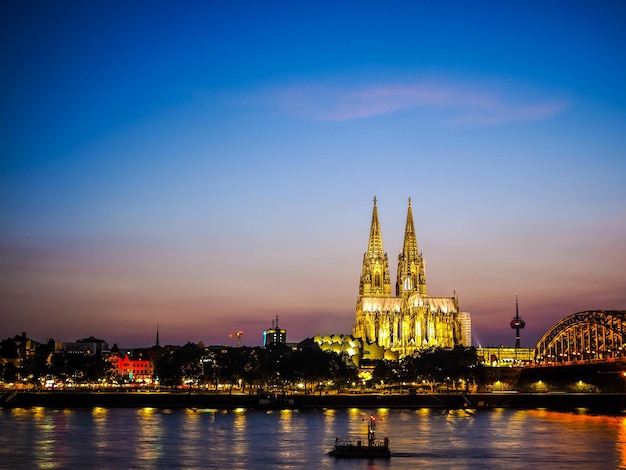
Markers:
point(410, 320)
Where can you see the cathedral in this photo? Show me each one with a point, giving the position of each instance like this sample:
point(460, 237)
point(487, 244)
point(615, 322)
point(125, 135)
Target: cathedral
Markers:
point(410, 320)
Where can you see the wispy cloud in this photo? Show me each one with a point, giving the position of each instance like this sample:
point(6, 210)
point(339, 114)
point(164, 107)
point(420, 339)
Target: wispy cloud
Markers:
point(457, 105)
point(504, 113)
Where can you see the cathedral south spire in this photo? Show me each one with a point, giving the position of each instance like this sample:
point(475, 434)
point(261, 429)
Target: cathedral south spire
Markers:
point(375, 278)
point(411, 269)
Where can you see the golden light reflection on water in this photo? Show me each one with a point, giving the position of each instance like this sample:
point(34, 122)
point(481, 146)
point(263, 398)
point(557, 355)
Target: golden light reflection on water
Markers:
point(146, 412)
point(554, 430)
point(21, 412)
point(192, 436)
point(150, 436)
point(285, 420)
point(44, 437)
point(621, 442)
point(382, 412)
point(286, 432)
point(330, 424)
point(578, 419)
point(99, 412)
point(99, 416)
point(239, 444)
point(61, 448)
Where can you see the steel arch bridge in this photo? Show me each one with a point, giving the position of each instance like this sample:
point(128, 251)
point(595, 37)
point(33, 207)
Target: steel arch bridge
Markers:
point(594, 335)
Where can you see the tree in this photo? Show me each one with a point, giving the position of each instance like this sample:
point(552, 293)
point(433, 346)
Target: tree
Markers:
point(37, 366)
point(79, 368)
point(178, 365)
point(9, 354)
point(449, 366)
point(165, 370)
point(342, 369)
point(8, 349)
point(210, 368)
point(311, 366)
point(9, 372)
point(188, 359)
point(231, 366)
point(387, 372)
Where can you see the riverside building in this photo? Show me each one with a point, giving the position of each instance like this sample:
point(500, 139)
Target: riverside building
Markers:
point(274, 335)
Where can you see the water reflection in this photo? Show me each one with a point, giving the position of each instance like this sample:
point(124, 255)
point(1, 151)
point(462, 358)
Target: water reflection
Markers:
point(99, 416)
point(621, 443)
point(330, 425)
point(239, 443)
point(148, 448)
point(44, 437)
point(191, 438)
point(152, 438)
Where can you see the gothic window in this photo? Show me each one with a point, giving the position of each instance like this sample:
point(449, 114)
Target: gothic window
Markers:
point(377, 280)
point(407, 283)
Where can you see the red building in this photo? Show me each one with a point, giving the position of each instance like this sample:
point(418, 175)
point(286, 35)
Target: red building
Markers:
point(137, 369)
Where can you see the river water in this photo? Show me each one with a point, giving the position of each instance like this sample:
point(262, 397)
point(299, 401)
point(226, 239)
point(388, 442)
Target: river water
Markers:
point(243, 439)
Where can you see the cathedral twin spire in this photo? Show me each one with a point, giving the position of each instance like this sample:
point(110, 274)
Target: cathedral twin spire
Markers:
point(411, 269)
point(375, 279)
point(375, 245)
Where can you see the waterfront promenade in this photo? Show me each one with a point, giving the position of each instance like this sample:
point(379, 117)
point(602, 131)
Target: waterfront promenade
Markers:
point(600, 402)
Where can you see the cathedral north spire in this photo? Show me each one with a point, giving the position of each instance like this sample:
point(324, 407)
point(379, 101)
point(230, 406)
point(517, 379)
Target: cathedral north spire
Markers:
point(375, 278)
point(375, 245)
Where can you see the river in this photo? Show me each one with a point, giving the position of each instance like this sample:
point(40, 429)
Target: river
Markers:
point(284, 439)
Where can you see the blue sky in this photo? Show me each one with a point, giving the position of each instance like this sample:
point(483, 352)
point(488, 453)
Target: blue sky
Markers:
point(206, 166)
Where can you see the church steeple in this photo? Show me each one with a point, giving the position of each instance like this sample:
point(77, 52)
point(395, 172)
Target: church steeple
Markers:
point(375, 245)
point(411, 269)
point(375, 280)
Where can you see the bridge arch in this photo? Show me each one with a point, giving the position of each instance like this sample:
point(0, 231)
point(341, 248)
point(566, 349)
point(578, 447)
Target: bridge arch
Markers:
point(584, 336)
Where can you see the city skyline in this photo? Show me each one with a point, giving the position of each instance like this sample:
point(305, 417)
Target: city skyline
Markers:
point(206, 167)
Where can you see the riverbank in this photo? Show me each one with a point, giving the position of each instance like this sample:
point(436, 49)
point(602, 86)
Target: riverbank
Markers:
point(600, 402)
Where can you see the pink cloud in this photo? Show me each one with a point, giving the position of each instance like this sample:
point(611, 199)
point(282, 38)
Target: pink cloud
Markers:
point(462, 105)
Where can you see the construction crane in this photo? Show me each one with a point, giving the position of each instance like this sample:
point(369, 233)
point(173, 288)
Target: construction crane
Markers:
point(237, 335)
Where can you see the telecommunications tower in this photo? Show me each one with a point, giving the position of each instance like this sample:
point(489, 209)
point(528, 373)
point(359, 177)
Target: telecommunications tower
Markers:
point(517, 324)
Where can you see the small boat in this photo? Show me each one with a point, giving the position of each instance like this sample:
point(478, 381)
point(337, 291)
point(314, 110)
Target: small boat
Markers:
point(348, 448)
